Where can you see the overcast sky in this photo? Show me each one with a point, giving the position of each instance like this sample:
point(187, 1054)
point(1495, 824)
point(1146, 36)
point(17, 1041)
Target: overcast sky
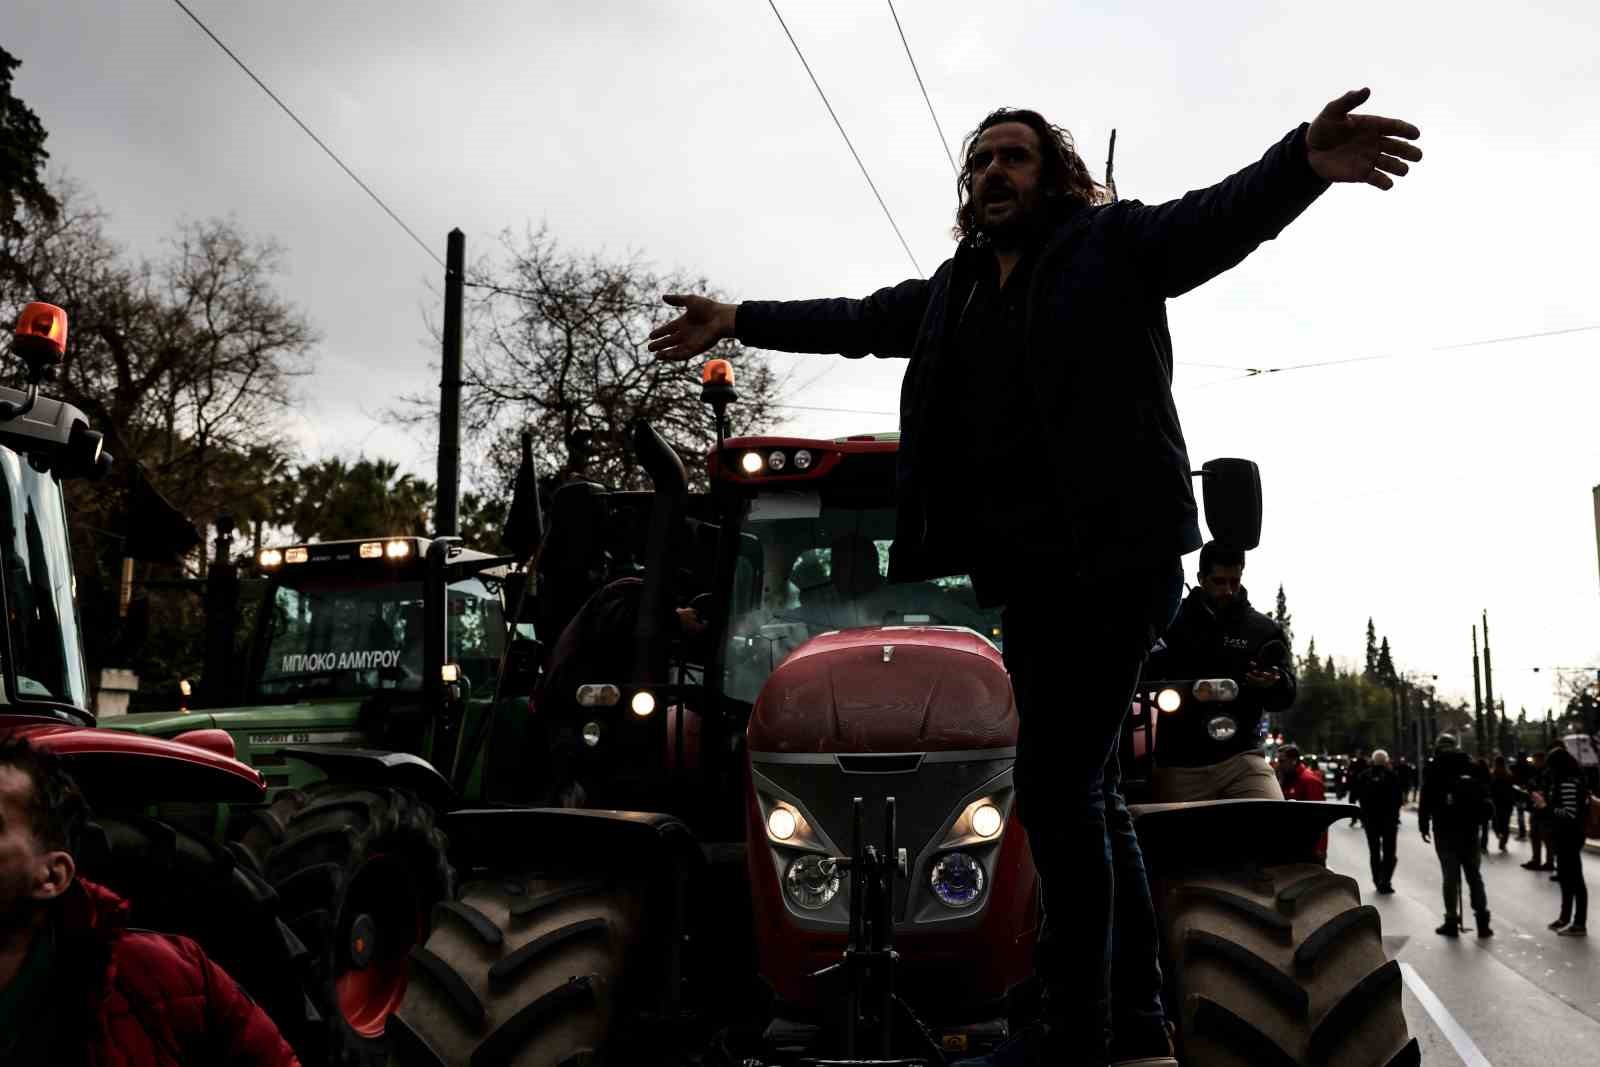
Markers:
point(1416, 489)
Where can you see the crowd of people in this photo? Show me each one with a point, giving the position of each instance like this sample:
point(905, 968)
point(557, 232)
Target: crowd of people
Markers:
point(1466, 804)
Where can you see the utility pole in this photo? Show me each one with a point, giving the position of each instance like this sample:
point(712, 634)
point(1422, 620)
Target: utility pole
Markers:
point(446, 519)
point(1477, 695)
point(1488, 677)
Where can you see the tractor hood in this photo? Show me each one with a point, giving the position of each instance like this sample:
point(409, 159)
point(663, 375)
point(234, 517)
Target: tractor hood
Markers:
point(887, 689)
point(130, 771)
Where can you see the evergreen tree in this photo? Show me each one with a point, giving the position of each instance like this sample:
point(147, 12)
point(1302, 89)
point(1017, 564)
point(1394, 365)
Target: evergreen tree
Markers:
point(1371, 670)
point(1310, 666)
point(1385, 666)
point(22, 155)
point(1285, 621)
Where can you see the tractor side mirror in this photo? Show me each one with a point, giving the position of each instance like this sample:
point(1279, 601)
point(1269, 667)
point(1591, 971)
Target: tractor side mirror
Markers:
point(1231, 489)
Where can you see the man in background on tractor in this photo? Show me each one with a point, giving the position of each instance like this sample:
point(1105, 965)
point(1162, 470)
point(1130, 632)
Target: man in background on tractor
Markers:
point(75, 984)
point(1040, 452)
point(1217, 634)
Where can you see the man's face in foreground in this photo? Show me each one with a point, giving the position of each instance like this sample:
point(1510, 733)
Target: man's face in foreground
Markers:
point(1004, 171)
point(1223, 584)
point(25, 864)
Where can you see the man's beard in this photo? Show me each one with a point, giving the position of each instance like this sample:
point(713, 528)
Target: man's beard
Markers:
point(1015, 230)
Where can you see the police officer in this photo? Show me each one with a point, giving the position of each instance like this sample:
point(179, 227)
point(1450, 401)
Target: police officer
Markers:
point(1217, 634)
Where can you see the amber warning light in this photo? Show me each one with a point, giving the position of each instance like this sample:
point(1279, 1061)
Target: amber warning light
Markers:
point(41, 336)
point(717, 372)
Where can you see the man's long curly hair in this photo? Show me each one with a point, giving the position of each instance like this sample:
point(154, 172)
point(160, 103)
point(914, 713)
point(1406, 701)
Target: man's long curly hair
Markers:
point(1065, 181)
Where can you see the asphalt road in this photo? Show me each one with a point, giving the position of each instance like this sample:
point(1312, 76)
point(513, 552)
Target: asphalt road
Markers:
point(1523, 998)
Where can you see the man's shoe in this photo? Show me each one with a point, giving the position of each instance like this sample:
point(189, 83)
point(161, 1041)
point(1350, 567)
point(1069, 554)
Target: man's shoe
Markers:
point(1573, 931)
point(1533, 865)
point(1386, 889)
point(1558, 924)
point(1450, 929)
point(1484, 929)
point(1549, 866)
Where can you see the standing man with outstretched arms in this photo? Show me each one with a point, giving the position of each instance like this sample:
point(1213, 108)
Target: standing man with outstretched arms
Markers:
point(1040, 452)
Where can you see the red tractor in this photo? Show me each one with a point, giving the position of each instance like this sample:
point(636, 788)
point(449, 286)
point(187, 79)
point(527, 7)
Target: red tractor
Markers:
point(175, 881)
point(791, 837)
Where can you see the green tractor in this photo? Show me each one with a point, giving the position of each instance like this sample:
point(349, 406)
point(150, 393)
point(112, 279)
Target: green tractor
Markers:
point(369, 684)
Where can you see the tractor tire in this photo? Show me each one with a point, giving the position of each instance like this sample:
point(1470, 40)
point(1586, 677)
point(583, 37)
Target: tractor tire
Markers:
point(178, 883)
point(358, 870)
point(523, 971)
point(1281, 967)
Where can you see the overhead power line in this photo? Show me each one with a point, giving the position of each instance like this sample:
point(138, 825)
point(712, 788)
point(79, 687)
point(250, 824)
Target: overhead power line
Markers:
point(308, 132)
point(886, 212)
point(1256, 372)
point(943, 143)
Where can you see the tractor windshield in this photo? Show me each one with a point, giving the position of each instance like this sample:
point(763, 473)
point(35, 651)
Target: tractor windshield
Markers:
point(45, 647)
point(808, 565)
point(334, 635)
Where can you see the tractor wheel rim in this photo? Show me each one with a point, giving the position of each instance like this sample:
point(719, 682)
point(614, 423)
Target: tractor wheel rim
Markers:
point(381, 921)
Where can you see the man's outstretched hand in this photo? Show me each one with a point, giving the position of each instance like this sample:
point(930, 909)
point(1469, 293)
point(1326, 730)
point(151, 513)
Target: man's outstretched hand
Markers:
point(1342, 147)
point(703, 323)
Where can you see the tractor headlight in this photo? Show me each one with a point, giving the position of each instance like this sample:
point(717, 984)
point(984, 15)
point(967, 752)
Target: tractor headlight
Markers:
point(987, 820)
point(776, 461)
point(643, 703)
point(1169, 700)
point(781, 824)
point(812, 881)
point(270, 557)
point(397, 549)
point(752, 462)
point(957, 880)
point(802, 460)
point(591, 734)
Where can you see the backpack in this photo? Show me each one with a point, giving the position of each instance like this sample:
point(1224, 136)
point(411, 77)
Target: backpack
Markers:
point(1465, 802)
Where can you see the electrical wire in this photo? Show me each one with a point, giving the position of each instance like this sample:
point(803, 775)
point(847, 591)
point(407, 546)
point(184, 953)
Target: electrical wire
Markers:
point(1256, 372)
point(886, 212)
point(308, 132)
point(943, 143)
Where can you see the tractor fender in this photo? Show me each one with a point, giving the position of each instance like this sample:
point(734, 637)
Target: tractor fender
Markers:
point(503, 838)
point(378, 767)
point(129, 770)
point(1213, 833)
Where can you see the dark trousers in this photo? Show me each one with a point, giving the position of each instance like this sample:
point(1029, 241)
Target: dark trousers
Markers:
point(1459, 856)
point(1381, 833)
point(1096, 954)
point(1568, 847)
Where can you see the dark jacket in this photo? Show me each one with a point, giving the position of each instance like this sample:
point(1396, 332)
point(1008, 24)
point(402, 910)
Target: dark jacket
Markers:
point(132, 998)
point(1098, 361)
point(1454, 800)
point(1206, 642)
point(1378, 792)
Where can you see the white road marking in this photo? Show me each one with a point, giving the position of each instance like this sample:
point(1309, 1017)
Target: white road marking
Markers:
point(1465, 1047)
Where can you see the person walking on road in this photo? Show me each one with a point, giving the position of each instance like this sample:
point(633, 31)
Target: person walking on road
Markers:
point(1453, 805)
point(1408, 779)
point(1503, 791)
point(1568, 805)
point(1350, 783)
point(1217, 634)
point(1379, 793)
point(1480, 771)
point(1046, 334)
point(1521, 770)
point(1544, 856)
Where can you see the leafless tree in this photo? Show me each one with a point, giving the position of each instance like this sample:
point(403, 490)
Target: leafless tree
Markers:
point(556, 346)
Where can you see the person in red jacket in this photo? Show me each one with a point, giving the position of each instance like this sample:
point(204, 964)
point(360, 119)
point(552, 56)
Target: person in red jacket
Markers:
point(77, 986)
point(1300, 782)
